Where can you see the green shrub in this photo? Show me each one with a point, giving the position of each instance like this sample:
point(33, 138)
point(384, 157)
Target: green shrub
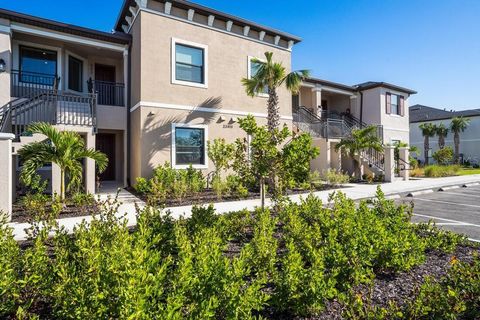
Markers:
point(443, 156)
point(236, 187)
point(335, 177)
point(221, 154)
point(437, 171)
point(143, 186)
point(80, 199)
point(220, 187)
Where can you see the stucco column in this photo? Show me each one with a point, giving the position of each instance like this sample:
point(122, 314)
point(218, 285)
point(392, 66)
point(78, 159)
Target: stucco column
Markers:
point(317, 100)
point(90, 174)
point(389, 163)
point(335, 157)
point(323, 161)
point(404, 163)
point(127, 110)
point(5, 55)
point(6, 174)
point(55, 179)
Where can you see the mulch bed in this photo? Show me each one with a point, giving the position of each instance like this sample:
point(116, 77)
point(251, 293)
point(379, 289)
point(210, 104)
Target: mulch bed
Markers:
point(20, 214)
point(208, 196)
point(400, 287)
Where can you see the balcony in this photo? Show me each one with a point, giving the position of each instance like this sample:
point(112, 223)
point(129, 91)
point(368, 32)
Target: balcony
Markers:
point(28, 84)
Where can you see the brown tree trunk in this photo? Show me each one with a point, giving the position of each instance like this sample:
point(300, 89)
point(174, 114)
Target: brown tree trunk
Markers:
point(426, 147)
point(273, 124)
point(456, 140)
point(273, 110)
point(441, 142)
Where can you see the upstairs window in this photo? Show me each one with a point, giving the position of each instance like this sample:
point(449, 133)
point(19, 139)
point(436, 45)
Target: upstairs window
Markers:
point(189, 63)
point(37, 66)
point(395, 104)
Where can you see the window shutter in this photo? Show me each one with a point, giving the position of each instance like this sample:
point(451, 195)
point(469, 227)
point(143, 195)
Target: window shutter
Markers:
point(401, 104)
point(388, 103)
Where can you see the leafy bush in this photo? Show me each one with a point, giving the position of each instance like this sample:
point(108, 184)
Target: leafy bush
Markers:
point(143, 186)
point(80, 199)
point(221, 153)
point(443, 156)
point(236, 186)
point(336, 177)
point(235, 266)
point(296, 158)
point(171, 183)
point(436, 171)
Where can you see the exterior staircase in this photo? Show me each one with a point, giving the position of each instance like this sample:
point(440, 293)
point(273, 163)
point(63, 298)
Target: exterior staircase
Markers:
point(50, 106)
point(331, 125)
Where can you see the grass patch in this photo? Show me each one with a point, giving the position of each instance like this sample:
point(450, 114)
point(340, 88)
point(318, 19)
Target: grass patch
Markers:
point(468, 171)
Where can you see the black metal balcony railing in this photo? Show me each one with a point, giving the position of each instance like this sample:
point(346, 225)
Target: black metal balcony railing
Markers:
point(109, 93)
point(25, 83)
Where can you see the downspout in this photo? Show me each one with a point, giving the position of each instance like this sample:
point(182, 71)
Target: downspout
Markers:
point(129, 94)
point(361, 106)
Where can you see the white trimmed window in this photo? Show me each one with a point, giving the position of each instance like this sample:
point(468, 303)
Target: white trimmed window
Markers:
point(253, 67)
point(189, 63)
point(189, 146)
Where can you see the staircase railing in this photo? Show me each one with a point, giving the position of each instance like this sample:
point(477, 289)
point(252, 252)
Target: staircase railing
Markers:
point(25, 83)
point(52, 107)
point(374, 158)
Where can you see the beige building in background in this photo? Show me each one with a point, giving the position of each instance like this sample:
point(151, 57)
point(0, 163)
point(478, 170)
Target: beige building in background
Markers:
point(163, 83)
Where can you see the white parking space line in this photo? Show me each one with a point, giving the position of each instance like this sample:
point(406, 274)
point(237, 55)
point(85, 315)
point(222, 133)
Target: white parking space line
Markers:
point(448, 202)
point(451, 224)
point(474, 240)
point(461, 194)
point(449, 220)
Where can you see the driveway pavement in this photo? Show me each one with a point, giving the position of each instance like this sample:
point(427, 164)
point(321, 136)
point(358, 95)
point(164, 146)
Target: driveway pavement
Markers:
point(455, 209)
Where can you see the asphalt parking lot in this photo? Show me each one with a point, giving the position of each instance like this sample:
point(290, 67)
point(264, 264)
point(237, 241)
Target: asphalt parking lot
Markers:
point(455, 209)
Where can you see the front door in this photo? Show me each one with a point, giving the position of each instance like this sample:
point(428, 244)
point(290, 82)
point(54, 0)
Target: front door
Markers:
point(105, 84)
point(105, 142)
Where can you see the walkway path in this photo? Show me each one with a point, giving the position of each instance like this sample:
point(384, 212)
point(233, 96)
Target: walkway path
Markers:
point(353, 191)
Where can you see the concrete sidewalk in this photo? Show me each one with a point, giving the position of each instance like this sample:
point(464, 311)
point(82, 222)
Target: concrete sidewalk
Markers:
point(353, 191)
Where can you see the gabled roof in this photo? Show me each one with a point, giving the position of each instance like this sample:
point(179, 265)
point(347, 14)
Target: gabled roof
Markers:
point(421, 113)
point(331, 84)
point(373, 84)
point(117, 37)
point(183, 4)
point(359, 87)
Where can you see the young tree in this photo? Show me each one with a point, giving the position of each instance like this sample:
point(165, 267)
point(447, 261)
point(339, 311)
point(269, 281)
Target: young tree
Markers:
point(64, 148)
point(221, 154)
point(270, 76)
point(442, 132)
point(359, 141)
point(458, 124)
point(428, 131)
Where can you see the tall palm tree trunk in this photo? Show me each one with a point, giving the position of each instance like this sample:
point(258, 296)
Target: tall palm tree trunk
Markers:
point(62, 184)
point(441, 142)
point(426, 146)
point(273, 110)
point(456, 140)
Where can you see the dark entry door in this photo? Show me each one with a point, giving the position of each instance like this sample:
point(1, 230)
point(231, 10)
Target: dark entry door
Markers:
point(105, 142)
point(105, 84)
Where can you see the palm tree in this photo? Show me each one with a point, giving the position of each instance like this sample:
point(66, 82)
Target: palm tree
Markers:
point(428, 131)
point(270, 76)
point(66, 149)
point(442, 132)
point(458, 124)
point(359, 141)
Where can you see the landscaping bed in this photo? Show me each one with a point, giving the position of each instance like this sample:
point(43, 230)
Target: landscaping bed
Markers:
point(208, 196)
point(42, 207)
point(298, 261)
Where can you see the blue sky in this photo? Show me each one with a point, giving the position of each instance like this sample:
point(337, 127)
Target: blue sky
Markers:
point(432, 46)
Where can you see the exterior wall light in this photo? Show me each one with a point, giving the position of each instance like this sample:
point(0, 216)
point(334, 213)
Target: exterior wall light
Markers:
point(3, 66)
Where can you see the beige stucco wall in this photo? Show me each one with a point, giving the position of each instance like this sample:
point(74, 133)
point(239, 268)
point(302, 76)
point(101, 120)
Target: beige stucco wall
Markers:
point(151, 141)
point(5, 54)
point(227, 65)
point(395, 127)
point(151, 121)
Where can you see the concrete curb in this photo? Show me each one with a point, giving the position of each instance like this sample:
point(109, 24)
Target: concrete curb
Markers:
point(449, 188)
point(419, 193)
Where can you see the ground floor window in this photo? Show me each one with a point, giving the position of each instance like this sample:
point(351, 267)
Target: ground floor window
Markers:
point(189, 145)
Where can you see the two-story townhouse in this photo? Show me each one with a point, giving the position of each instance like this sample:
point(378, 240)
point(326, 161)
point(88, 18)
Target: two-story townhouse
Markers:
point(329, 111)
point(72, 77)
point(187, 66)
point(469, 140)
